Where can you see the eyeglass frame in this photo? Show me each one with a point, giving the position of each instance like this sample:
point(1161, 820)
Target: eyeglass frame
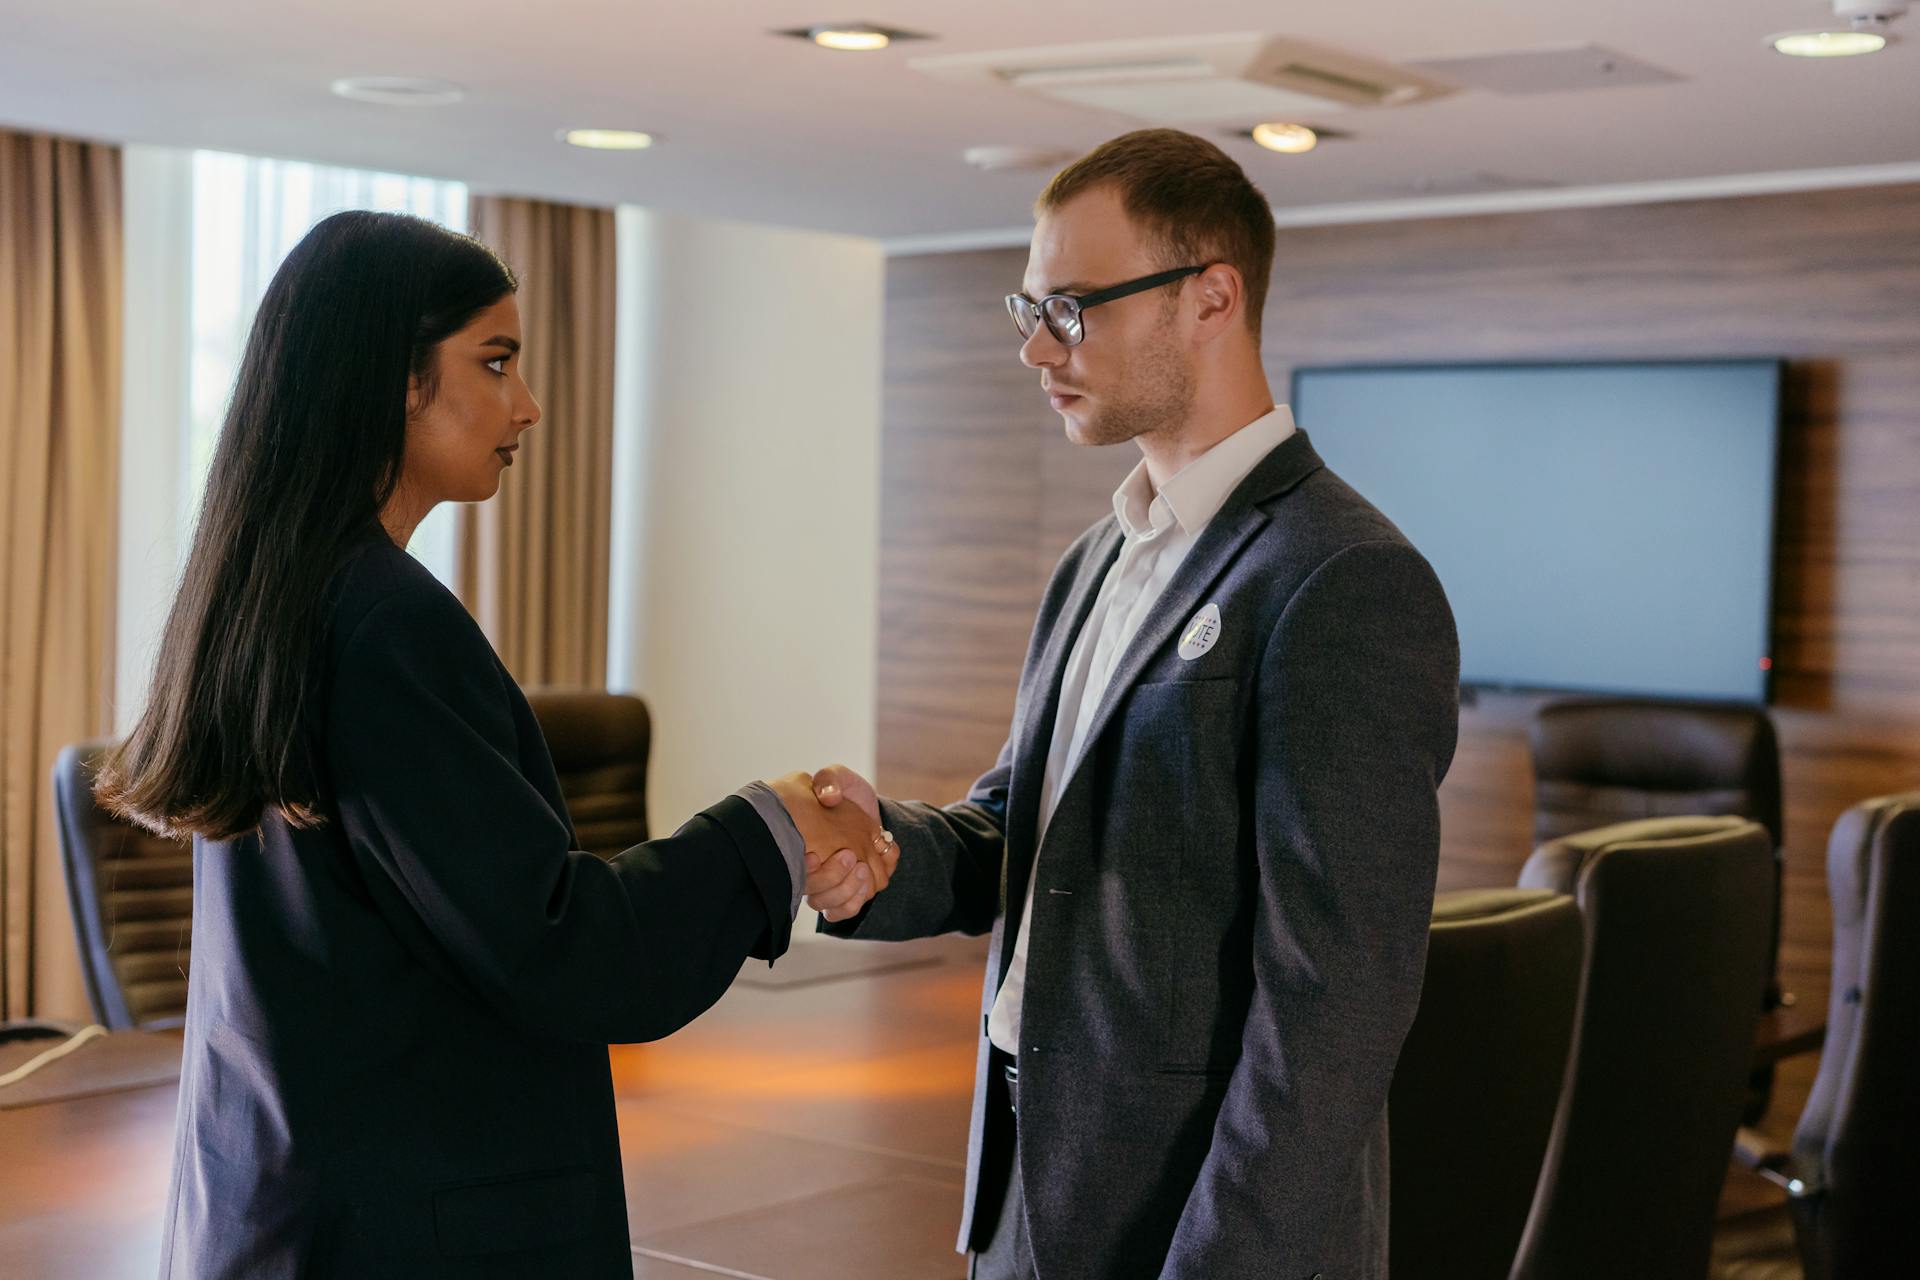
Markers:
point(1081, 302)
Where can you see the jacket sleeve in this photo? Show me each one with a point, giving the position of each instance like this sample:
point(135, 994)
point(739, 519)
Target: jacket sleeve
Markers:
point(1354, 729)
point(472, 866)
point(952, 861)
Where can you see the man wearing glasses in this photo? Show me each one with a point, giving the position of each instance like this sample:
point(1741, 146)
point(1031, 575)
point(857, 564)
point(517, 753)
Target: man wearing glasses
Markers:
point(1207, 852)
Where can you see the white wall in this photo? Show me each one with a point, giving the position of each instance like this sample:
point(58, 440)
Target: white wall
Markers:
point(156, 414)
point(746, 500)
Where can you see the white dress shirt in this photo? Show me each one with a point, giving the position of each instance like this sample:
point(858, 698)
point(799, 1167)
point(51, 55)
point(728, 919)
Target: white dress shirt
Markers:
point(1159, 529)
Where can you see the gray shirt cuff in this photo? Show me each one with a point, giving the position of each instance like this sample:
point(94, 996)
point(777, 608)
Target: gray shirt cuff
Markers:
point(786, 836)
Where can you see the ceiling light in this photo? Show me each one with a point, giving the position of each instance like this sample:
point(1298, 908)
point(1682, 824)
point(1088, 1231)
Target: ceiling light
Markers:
point(607, 139)
point(399, 91)
point(1866, 31)
point(1829, 44)
point(850, 39)
point(1288, 139)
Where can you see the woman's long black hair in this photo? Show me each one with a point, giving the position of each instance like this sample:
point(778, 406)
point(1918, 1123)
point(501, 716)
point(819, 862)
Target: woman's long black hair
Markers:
point(308, 457)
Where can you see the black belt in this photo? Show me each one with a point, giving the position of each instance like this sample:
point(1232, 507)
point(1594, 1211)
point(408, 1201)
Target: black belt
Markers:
point(1011, 1072)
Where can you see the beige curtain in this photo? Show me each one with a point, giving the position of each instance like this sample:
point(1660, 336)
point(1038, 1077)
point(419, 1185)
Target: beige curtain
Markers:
point(60, 301)
point(534, 561)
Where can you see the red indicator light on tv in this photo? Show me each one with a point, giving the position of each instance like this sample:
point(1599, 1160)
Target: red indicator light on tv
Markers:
point(1766, 664)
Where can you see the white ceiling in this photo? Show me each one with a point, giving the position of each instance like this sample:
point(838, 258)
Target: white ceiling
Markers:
point(772, 130)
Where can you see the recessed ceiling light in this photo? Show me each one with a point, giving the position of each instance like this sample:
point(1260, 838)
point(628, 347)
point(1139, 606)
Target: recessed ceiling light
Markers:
point(1288, 139)
point(851, 37)
point(1828, 44)
point(607, 139)
point(399, 91)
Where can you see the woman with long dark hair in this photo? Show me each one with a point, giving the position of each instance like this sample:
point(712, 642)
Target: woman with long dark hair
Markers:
point(404, 973)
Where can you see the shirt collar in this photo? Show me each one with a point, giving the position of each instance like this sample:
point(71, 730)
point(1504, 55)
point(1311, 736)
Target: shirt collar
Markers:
point(1193, 496)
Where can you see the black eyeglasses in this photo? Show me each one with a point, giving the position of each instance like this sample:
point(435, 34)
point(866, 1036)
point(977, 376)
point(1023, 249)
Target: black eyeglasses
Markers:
point(1061, 312)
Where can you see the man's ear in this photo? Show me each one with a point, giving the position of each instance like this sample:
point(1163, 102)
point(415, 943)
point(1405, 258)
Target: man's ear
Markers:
point(1221, 295)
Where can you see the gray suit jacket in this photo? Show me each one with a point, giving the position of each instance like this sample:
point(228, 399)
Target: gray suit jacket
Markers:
point(1231, 921)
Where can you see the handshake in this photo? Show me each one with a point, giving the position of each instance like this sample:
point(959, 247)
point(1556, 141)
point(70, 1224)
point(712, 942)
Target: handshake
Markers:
point(850, 857)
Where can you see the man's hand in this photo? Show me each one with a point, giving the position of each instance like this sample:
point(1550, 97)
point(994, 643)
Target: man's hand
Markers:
point(849, 859)
point(836, 886)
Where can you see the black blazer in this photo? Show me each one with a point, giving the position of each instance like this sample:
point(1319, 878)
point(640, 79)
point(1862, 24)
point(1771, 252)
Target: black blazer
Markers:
point(397, 1021)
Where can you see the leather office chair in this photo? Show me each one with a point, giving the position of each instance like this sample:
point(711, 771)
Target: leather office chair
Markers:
point(600, 743)
point(1852, 1178)
point(1473, 1098)
point(131, 893)
point(1676, 926)
point(1600, 761)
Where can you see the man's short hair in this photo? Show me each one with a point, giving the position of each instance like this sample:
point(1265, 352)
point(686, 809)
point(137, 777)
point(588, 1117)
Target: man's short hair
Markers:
point(1188, 196)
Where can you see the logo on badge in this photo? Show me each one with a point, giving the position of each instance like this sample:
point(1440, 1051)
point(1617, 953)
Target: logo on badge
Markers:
point(1200, 633)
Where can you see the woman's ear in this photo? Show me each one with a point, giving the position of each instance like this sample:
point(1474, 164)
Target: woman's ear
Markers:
point(413, 396)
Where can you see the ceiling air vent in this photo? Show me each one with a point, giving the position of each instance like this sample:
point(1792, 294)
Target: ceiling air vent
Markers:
point(1195, 79)
point(1562, 70)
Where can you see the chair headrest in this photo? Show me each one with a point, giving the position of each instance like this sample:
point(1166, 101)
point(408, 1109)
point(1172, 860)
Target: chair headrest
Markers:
point(1850, 850)
point(586, 728)
point(1559, 864)
point(1656, 746)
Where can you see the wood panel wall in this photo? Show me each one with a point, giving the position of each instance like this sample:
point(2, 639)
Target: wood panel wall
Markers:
point(982, 493)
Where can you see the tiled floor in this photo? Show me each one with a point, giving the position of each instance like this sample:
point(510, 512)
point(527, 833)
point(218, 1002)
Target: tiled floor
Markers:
point(813, 1124)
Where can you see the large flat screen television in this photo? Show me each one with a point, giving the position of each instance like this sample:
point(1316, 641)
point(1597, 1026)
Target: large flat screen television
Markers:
point(1603, 528)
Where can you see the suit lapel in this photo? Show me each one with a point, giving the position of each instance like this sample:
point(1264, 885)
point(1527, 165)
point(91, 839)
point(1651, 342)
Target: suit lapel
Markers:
point(1043, 707)
point(1208, 559)
point(1242, 516)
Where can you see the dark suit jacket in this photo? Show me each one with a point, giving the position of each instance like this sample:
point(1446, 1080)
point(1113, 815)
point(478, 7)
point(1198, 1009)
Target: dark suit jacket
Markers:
point(1230, 927)
point(397, 1021)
